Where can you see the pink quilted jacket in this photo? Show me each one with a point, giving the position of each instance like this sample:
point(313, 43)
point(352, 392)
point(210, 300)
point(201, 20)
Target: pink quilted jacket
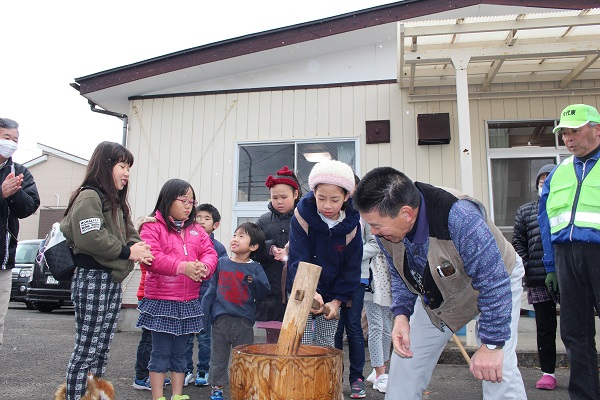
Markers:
point(170, 251)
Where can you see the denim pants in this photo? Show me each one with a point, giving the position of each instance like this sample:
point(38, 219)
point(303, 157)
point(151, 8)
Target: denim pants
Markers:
point(203, 343)
point(143, 355)
point(168, 352)
point(350, 320)
point(203, 350)
point(578, 272)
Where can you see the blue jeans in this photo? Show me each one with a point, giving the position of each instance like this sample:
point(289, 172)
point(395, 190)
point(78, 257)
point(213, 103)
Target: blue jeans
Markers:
point(350, 320)
point(203, 342)
point(143, 355)
point(203, 350)
point(168, 352)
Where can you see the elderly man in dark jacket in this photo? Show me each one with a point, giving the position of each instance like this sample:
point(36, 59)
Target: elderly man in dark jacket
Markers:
point(20, 199)
point(528, 244)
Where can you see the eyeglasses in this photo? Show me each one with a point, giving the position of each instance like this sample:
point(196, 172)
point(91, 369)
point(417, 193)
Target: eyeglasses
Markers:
point(187, 202)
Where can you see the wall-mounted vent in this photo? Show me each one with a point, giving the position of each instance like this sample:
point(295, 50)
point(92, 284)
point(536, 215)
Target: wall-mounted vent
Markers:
point(433, 128)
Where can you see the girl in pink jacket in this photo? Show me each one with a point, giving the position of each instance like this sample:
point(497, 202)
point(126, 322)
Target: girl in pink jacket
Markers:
point(184, 257)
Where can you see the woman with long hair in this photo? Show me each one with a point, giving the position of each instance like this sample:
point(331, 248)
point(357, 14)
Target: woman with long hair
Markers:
point(98, 227)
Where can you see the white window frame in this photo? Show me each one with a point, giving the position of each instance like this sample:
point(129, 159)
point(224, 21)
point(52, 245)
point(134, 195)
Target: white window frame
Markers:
point(254, 209)
point(558, 153)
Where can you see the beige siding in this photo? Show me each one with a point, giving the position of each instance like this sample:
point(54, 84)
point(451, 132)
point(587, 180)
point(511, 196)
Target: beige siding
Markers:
point(55, 176)
point(194, 138)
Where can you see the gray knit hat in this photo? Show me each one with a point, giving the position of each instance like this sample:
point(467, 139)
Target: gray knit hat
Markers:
point(545, 170)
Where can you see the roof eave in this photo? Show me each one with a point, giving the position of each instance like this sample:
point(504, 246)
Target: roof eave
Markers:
point(294, 34)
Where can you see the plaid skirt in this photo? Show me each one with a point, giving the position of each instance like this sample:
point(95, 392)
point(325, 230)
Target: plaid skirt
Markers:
point(169, 316)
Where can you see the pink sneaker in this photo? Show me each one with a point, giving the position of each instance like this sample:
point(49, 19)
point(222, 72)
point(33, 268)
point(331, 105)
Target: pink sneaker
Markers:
point(546, 382)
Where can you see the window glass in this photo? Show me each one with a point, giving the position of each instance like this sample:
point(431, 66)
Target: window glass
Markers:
point(311, 153)
point(520, 134)
point(26, 253)
point(513, 184)
point(258, 161)
point(516, 151)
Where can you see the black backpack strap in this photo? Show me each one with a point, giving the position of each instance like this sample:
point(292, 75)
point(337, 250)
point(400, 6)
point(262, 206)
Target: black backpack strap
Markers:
point(98, 191)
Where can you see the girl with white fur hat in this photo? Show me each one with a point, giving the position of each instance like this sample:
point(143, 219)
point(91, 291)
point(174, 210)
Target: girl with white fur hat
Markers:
point(325, 231)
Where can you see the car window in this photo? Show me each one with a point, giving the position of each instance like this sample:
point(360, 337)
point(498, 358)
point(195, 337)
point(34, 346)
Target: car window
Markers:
point(26, 253)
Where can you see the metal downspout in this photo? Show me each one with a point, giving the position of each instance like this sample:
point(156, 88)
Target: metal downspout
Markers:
point(123, 117)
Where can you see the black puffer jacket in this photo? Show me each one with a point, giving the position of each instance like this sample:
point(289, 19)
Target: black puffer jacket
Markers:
point(528, 243)
point(18, 206)
point(277, 232)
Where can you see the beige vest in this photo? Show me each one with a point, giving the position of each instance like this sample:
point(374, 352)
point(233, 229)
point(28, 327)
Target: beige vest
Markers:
point(459, 304)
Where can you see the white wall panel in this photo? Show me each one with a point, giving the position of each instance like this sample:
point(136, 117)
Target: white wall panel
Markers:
point(276, 114)
point(299, 115)
point(312, 112)
point(264, 115)
point(195, 137)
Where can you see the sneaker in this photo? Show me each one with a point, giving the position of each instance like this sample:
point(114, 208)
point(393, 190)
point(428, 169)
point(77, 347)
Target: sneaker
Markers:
point(180, 397)
point(357, 390)
point(201, 379)
point(142, 384)
point(372, 378)
point(547, 382)
point(216, 393)
point(189, 377)
point(381, 383)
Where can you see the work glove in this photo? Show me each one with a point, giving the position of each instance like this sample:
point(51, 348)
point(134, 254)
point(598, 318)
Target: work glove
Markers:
point(552, 282)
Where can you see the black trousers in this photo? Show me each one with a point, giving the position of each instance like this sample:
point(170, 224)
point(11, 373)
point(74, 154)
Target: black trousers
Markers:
point(578, 271)
point(545, 323)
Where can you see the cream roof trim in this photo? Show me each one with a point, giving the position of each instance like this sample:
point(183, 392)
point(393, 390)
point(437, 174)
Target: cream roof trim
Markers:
point(560, 47)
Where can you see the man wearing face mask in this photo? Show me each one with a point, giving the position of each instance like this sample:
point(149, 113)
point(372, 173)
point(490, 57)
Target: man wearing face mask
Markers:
point(528, 244)
point(19, 200)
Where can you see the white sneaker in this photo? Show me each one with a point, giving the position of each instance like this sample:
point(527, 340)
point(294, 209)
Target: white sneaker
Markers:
point(381, 383)
point(372, 378)
point(189, 377)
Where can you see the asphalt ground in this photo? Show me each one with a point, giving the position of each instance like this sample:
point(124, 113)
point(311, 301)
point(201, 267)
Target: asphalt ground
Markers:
point(37, 347)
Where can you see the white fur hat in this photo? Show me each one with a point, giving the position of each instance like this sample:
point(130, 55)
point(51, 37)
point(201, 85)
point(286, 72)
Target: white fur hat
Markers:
point(332, 172)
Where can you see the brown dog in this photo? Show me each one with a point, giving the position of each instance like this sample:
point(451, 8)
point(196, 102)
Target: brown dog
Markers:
point(97, 389)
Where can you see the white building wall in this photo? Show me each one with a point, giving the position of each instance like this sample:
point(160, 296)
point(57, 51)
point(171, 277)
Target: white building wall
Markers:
point(55, 176)
point(194, 138)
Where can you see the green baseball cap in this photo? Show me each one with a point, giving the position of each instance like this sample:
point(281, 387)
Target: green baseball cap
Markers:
point(576, 116)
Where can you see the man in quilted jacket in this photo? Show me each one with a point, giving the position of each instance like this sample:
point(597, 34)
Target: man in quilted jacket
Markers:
point(19, 200)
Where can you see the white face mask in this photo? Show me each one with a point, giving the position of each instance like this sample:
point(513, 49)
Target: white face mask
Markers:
point(7, 148)
point(540, 191)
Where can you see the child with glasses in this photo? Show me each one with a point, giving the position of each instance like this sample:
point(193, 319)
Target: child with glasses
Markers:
point(183, 257)
point(229, 301)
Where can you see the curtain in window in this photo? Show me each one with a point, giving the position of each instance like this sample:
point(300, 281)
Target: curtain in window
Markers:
point(500, 188)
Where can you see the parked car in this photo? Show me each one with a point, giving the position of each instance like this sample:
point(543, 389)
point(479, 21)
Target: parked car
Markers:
point(24, 259)
point(46, 293)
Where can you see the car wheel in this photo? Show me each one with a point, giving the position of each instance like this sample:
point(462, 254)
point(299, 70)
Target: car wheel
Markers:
point(45, 307)
point(29, 305)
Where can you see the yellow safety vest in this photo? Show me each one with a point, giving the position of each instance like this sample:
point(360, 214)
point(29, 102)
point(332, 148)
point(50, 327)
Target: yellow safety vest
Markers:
point(563, 205)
